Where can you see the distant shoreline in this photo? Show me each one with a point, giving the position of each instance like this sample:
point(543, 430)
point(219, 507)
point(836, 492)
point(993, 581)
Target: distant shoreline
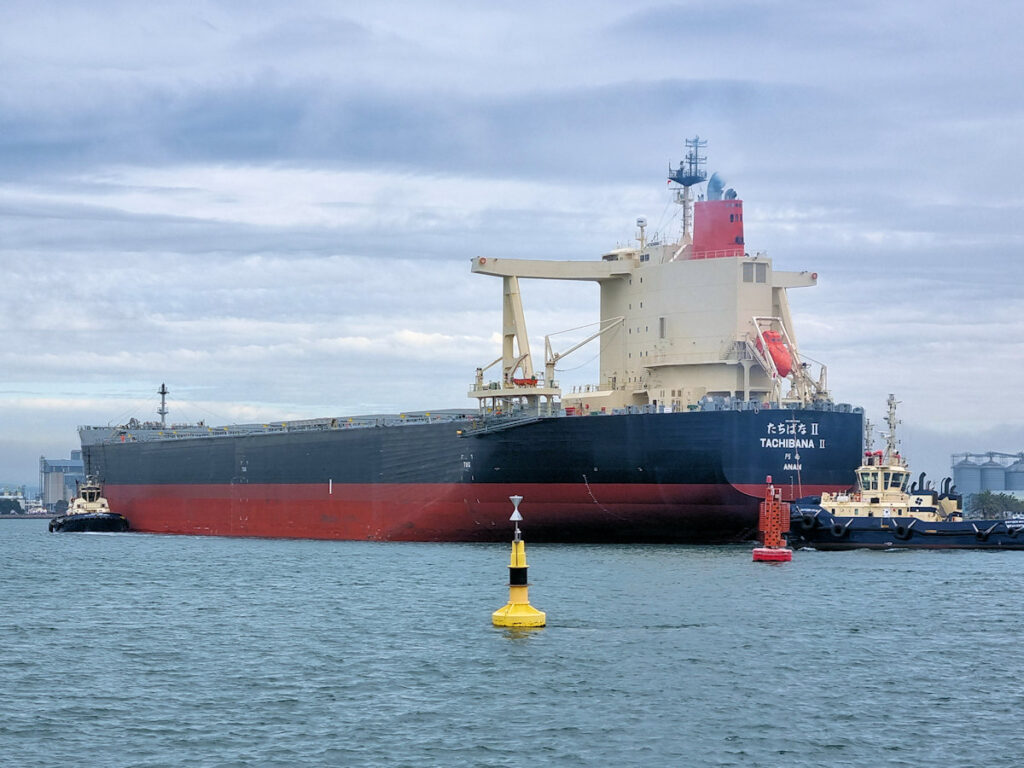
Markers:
point(28, 517)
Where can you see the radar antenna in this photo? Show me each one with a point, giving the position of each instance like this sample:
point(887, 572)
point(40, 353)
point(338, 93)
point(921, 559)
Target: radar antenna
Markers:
point(690, 171)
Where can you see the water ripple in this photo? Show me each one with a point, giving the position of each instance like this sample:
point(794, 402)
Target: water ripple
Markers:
point(133, 650)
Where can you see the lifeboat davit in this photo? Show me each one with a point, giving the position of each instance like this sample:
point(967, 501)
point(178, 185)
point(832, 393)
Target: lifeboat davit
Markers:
point(778, 350)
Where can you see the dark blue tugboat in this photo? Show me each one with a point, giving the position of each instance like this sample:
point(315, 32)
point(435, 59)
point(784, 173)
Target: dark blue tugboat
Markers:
point(89, 513)
point(886, 512)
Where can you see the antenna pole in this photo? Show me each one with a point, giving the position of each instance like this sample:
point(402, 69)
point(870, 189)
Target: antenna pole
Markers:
point(162, 410)
point(891, 443)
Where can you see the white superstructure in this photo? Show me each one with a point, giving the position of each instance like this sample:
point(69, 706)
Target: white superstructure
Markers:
point(679, 322)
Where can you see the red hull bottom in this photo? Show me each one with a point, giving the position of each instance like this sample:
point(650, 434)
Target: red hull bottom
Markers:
point(445, 512)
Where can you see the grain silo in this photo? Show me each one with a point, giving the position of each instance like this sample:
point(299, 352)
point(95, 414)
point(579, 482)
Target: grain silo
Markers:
point(1015, 476)
point(993, 476)
point(967, 476)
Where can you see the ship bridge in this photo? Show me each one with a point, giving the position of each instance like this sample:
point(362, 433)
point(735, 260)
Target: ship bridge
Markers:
point(674, 330)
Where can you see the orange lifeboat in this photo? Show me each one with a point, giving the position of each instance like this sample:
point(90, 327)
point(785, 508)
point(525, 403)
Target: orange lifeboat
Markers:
point(778, 350)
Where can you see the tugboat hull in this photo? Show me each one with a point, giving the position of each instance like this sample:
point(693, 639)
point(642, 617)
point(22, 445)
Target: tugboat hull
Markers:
point(816, 528)
point(89, 523)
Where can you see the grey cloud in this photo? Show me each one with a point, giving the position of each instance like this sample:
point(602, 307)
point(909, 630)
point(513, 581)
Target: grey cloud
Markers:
point(873, 143)
point(754, 25)
point(306, 33)
point(506, 135)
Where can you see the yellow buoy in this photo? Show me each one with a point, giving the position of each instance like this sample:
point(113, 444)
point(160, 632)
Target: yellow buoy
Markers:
point(518, 612)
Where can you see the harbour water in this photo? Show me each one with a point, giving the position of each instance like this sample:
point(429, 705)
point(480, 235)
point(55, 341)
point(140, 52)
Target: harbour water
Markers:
point(140, 650)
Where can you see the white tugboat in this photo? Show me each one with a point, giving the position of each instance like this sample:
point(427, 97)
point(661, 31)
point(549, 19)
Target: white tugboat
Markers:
point(89, 512)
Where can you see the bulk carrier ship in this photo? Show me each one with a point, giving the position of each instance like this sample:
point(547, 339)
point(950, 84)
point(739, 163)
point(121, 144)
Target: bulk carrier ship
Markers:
point(703, 394)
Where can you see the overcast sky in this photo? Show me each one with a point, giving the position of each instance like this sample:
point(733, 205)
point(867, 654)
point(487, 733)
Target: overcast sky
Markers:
point(271, 207)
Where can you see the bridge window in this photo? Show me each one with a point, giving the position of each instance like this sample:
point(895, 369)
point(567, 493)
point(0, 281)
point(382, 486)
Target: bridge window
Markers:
point(869, 481)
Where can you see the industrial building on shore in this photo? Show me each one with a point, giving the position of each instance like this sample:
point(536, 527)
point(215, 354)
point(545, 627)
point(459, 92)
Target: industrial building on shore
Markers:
point(991, 471)
point(59, 478)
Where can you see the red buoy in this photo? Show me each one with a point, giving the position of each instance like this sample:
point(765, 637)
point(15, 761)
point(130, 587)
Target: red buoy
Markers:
point(770, 555)
point(773, 522)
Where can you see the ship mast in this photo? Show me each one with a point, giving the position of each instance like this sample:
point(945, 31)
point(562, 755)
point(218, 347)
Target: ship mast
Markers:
point(690, 171)
point(162, 410)
point(891, 443)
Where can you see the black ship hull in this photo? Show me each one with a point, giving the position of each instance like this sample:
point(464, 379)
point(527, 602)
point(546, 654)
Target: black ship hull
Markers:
point(686, 477)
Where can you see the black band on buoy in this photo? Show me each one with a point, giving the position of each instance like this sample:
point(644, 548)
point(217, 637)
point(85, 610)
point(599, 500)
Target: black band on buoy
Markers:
point(516, 577)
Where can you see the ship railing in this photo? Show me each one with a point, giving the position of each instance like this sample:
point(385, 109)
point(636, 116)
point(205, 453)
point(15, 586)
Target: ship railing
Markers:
point(719, 254)
point(726, 403)
point(312, 425)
